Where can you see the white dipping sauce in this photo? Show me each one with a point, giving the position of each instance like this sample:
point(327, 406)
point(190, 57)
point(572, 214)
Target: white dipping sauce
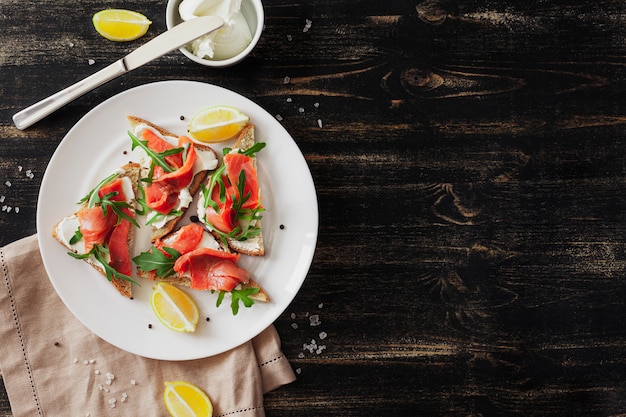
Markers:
point(226, 42)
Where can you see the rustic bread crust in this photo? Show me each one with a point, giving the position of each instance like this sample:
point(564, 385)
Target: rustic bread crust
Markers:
point(132, 171)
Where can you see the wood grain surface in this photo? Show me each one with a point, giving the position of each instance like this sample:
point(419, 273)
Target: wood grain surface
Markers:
point(470, 164)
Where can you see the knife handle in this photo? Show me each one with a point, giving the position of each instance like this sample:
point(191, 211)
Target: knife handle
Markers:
point(43, 108)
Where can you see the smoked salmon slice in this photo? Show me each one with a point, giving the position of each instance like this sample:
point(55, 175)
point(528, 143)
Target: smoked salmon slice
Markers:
point(162, 193)
point(95, 226)
point(118, 247)
point(211, 269)
point(186, 239)
point(235, 163)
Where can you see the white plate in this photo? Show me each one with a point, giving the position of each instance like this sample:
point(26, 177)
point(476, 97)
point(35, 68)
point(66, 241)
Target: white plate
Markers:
point(98, 144)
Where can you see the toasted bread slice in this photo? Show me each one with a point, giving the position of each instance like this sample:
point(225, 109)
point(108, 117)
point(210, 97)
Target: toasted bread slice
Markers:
point(66, 227)
point(253, 246)
point(185, 280)
point(206, 153)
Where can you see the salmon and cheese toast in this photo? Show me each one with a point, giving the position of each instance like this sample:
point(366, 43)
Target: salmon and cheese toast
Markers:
point(230, 201)
point(101, 231)
point(194, 258)
point(173, 169)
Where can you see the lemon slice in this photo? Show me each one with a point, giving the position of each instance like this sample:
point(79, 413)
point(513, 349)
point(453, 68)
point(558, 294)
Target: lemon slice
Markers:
point(174, 307)
point(120, 25)
point(184, 399)
point(217, 124)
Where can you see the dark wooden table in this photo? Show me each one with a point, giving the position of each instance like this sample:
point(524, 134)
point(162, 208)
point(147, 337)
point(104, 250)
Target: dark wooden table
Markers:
point(471, 176)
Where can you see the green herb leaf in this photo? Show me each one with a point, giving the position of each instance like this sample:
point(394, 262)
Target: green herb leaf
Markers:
point(117, 207)
point(92, 197)
point(238, 296)
point(157, 158)
point(155, 260)
point(78, 235)
point(251, 151)
point(100, 253)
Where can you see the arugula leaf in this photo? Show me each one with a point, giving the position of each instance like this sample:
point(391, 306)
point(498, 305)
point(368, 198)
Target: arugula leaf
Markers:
point(78, 235)
point(142, 207)
point(100, 253)
point(157, 158)
point(251, 151)
point(92, 197)
point(238, 295)
point(117, 207)
point(155, 260)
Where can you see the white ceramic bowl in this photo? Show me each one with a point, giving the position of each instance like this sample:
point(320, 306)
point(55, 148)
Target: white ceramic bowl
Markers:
point(252, 11)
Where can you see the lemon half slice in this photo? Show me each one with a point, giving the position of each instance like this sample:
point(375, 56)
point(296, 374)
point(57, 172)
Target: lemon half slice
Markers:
point(120, 25)
point(183, 399)
point(174, 307)
point(217, 124)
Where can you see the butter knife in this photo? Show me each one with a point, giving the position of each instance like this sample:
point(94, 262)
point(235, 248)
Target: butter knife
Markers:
point(166, 42)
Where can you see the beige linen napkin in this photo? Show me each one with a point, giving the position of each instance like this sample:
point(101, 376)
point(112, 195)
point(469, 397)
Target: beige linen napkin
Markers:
point(54, 366)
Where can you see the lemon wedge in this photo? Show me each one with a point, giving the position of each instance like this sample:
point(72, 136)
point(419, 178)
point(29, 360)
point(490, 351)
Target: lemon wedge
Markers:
point(120, 25)
point(217, 124)
point(183, 399)
point(174, 307)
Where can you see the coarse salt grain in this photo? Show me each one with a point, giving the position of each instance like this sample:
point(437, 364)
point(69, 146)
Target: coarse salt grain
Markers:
point(9, 208)
point(92, 361)
point(307, 25)
point(293, 316)
point(279, 117)
point(17, 209)
point(110, 376)
point(323, 335)
point(286, 80)
point(301, 109)
point(298, 371)
point(7, 183)
point(20, 168)
point(289, 38)
point(2, 197)
point(112, 402)
point(314, 320)
point(316, 105)
point(75, 360)
point(289, 100)
point(97, 372)
point(319, 123)
point(91, 62)
point(294, 325)
point(133, 382)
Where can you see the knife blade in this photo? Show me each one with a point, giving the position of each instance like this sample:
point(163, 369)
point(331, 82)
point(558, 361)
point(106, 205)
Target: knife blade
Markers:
point(166, 42)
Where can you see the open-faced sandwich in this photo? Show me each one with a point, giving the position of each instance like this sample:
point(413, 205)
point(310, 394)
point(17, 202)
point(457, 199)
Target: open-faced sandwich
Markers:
point(230, 201)
point(173, 168)
point(101, 231)
point(192, 257)
point(169, 172)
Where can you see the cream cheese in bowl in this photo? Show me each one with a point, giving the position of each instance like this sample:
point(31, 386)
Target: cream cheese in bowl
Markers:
point(231, 43)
